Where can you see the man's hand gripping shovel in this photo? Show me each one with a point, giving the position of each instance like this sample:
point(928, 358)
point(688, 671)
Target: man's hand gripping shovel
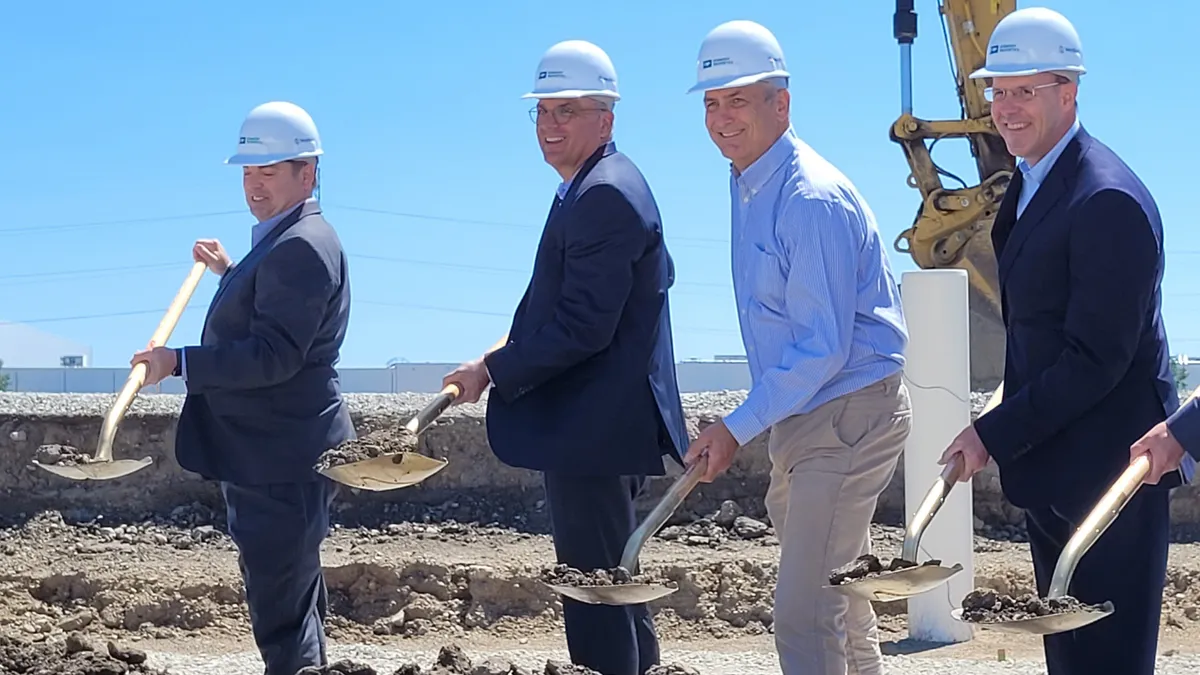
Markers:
point(102, 466)
point(903, 578)
point(1067, 613)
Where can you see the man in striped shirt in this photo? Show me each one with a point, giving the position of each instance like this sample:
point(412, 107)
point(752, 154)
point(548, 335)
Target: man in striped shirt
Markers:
point(824, 335)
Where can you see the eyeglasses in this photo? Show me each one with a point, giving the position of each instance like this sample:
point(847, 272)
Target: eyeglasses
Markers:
point(562, 114)
point(1016, 94)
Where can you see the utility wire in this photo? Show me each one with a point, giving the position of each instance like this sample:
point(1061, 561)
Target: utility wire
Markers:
point(398, 305)
point(126, 221)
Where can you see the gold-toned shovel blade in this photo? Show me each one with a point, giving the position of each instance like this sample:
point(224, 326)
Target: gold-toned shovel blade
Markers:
point(617, 594)
point(387, 472)
point(97, 470)
point(900, 584)
point(1043, 625)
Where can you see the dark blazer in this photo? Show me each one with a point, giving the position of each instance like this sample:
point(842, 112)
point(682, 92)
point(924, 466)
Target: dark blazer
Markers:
point(586, 384)
point(1087, 369)
point(1185, 427)
point(263, 398)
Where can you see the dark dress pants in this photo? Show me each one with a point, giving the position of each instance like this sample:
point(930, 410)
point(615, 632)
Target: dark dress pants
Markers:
point(592, 518)
point(278, 530)
point(1127, 565)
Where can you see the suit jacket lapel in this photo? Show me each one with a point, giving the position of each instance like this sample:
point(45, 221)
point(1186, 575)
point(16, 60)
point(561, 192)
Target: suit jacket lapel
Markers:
point(1052, 189)
point(261, 247)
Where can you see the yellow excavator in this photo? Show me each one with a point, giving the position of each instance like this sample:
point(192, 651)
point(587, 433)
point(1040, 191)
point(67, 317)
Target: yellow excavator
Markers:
point(953, 224)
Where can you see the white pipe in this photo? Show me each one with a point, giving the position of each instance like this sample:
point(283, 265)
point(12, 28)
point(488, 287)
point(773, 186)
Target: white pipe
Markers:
point(938, 375)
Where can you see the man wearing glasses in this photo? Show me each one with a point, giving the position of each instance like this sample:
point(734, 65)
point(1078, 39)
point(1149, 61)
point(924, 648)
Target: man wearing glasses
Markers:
point(584, 389)
point(1079, 244)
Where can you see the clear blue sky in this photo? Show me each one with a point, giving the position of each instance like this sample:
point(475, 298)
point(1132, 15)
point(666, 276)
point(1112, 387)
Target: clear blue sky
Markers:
point(117, 118)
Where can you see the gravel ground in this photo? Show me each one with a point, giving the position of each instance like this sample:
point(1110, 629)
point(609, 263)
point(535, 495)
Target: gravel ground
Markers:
point(33, 404)
point(387, 660)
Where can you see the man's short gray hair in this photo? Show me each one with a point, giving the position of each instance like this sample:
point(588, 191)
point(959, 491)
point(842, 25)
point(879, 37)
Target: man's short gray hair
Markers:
point(604, 102)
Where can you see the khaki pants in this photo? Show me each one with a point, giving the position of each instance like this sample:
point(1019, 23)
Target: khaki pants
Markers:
point(828, 468)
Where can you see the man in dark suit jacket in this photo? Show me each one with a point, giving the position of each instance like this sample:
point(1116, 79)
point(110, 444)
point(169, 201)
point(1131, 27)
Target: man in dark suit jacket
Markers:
point(584, 389)
point(263, 399)
point(1079, 244)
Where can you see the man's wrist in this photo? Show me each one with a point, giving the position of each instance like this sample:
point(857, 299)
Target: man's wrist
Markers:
point(178, 370)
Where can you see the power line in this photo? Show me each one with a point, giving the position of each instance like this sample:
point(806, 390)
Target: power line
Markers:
point(492, 223)
point(399, 305)
point(125, 221)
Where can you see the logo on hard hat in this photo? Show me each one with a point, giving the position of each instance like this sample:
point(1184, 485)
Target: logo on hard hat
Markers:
point(551, 73)
point(995, 49)
point(249, 139)
point(723, 61)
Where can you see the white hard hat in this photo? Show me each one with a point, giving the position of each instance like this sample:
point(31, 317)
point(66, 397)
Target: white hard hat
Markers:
point(1030, 41)
point(738, 53)
point(572, 69)
point(276, 132)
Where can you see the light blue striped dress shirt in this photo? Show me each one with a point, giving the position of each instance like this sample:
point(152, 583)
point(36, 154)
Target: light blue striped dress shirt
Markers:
point(1033, 176)
point(817, 302)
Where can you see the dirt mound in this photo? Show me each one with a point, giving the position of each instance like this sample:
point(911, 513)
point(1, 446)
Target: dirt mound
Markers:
point(75, 655)
point(565, 575)
point(869, 565)
point(61, 455)
point(379, 443)
point(988, 606)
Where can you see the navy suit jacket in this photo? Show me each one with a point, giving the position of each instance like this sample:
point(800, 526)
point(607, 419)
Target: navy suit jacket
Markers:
point(1185, 427)
point(263, 397)
point(586, 383)
point(1087, 369)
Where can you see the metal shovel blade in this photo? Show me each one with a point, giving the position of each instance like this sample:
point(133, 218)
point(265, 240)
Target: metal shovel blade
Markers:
point(399, 469)
point(1043, 625)
point(900, 584)
point(1097, 521)
point(102, 466)
point(102, 470)
point(633, 594)
point(911, 581)
point(389, 472)
point(620, 594)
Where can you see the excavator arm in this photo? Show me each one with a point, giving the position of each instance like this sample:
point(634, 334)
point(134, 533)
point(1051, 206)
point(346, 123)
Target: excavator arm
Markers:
point(953, 224)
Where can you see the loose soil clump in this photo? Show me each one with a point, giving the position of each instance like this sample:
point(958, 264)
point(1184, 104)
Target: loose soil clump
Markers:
point(868, 565)
point(565, 575)
point(988, 606)
point(75, 656)
point(62, 455)
point(384, 442)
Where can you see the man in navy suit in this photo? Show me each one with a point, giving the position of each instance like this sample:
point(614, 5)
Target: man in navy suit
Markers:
point(263, 398)
point(1079, 243)
point(584, 389)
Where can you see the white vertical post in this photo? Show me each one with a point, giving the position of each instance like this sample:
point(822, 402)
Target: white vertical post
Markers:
point(938, 375)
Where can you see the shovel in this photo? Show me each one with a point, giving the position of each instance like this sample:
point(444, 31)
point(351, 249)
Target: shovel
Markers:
point(102, 466)
point(634, 594)
point(905, 583)
point(912, 581)
point(1090, 530)
point(399, 469)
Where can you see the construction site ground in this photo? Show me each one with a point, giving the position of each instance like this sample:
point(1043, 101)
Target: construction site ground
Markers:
point(169, 585)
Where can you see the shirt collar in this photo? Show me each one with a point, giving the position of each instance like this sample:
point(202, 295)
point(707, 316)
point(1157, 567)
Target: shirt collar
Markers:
point(757, 174)
point(261, 229)
point(605, 149)
point(1037, 173)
